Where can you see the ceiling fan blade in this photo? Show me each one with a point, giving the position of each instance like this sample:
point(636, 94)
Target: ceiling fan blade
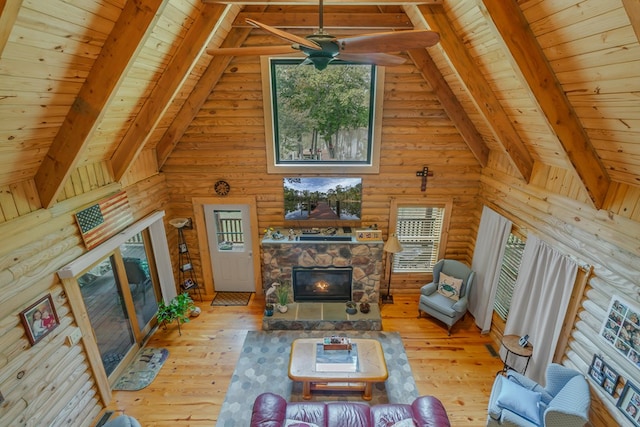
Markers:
point(252, 50)
point(284, 35)
point(394, 41)
point(382, 59)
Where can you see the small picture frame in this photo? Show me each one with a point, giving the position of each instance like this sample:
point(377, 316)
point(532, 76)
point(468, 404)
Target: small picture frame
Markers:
point(39, 319)
point(611, 379)
point(629, 403)
point(595, 370)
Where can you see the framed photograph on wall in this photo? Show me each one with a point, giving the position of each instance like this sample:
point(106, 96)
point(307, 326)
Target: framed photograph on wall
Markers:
point(621, 329)
point(611, 379)
point(629, 402)
point(595, 370)
point(39, 319)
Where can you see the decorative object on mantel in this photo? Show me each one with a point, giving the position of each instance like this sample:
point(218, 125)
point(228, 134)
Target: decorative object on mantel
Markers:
point(392, 246)
point(368, 235)
point(351, 307)
point(100, 221)
point(621, 329)
point(424, 173)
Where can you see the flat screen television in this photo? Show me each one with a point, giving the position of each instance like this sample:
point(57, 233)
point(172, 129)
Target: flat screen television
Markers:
point(323, 200)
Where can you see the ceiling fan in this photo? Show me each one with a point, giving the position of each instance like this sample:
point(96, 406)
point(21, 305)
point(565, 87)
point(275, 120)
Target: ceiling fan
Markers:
point(321, 48)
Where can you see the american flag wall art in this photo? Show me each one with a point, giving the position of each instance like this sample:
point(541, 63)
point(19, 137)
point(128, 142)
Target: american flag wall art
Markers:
point(99, 222)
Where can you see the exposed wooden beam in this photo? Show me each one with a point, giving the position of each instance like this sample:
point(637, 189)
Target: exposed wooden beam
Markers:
point(326, 2)
point(386, 21)
point(127, 37)
point(198, 96)
point(450, 103)
point(479, 89)
point(8, 14)
point(192, 46)
point(513, 29)
point(632, 7)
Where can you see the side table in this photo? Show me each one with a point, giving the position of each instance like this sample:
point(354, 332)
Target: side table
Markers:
point(513, 347)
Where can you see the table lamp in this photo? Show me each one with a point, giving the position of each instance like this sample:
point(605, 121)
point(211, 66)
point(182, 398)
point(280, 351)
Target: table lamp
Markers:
point(392, 246)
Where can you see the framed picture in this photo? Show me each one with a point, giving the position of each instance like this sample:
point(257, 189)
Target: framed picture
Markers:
point(611, 378)
point(621, 329)
point(629, 402)
point(595, 370)
point(39, 319)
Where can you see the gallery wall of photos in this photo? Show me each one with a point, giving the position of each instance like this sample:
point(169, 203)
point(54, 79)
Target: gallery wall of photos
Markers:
point(621, 330)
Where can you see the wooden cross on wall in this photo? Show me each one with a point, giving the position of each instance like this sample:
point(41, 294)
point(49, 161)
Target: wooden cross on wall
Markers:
point(424, 173)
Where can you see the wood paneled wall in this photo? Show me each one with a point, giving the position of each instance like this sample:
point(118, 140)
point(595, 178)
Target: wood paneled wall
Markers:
point(607, 240)
point(227, 140)
point(51, 383)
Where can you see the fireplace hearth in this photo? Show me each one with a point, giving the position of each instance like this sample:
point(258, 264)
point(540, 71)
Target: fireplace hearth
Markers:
point(322, 284)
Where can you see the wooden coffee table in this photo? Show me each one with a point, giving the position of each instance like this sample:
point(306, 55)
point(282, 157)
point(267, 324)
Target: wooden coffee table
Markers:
point(372, 368)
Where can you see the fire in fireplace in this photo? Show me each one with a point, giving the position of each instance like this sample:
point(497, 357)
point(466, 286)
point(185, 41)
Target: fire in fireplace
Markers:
point(322, 284)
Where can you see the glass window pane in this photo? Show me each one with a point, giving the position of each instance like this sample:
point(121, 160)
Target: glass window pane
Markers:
point(102, 296)
point(229, 233)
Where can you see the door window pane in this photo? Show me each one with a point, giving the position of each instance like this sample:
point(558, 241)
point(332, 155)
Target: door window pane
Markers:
point(229, 234)
point(103, 299)
point(136, 264)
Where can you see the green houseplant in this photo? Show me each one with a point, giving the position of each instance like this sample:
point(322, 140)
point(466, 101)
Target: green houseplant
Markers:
point(282, 297)
point(178, 309)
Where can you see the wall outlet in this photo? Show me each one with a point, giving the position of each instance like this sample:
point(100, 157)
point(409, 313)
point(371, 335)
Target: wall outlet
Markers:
point(74, 337)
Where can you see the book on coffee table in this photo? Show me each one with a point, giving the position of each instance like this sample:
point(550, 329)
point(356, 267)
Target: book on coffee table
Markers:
point(336, 360)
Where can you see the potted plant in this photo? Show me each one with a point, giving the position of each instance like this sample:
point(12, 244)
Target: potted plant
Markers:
point(364, 307)
point(351, 307)
point(282, 298)
point(179, 308)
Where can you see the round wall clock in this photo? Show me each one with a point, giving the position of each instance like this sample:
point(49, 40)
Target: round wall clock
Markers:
point(222, 188)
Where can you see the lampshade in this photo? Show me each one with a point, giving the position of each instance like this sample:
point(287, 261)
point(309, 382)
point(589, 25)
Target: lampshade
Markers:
point(392, 245)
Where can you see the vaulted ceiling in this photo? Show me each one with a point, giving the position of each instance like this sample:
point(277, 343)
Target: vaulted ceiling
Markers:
point(546, 82)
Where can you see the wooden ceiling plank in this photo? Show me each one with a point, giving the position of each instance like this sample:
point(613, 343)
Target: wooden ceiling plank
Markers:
point(480, 90)
point(126, 39)
point(168, 85)
point(513, 30)
point(450, 103)
point(386, 21)
point(198, 96)
point(8, 13)
point(632, 7)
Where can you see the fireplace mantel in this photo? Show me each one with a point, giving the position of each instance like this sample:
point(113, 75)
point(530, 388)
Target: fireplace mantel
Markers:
point(280, 256)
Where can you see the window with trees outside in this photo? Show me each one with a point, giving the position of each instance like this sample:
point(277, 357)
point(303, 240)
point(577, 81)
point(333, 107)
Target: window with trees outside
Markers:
point(322, 119)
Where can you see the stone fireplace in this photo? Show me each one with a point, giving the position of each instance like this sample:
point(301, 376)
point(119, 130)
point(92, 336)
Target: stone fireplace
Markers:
point(364, 259)
point(321, 284)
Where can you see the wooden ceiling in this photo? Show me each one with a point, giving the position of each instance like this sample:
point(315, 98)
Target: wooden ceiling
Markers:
point(547, 82)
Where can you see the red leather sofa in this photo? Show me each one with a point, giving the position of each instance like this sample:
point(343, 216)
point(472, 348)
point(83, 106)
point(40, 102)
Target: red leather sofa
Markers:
point(272, 410)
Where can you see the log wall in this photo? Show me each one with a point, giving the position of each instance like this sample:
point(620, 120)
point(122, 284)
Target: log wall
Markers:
point(226, 140)
point(608, 240)
point(51, 382)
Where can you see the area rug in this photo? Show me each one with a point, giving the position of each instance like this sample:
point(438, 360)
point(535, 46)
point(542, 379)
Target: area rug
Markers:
point(264, 363)
point(231, 298)
point(143, 370)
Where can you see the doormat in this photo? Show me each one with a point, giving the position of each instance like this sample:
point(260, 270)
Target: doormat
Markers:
point(231, 298)
point(143, 370)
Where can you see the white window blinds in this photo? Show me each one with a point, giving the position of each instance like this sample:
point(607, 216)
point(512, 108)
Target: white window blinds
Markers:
point(508, 275)
point(418, 230)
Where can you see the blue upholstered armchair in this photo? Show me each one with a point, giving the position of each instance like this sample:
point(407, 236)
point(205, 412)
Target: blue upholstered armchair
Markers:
point(519, 401)
point(443, 300)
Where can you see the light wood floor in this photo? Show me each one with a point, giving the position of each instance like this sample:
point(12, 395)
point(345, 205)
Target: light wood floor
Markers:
point(190, 388)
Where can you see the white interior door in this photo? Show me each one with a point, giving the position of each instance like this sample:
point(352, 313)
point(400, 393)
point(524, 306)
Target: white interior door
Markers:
point(230, 245)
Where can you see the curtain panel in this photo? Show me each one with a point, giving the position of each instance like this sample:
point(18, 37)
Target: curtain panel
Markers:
point(487, 259)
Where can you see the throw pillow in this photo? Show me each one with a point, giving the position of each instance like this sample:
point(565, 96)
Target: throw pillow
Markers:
point(449, 286)
point(296, 423)
point(519, 400)
point(408, 422)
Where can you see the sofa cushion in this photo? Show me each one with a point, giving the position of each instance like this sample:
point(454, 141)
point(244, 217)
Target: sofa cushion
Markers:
point(449, 286)
point(519, 400)
point(296, 423)
point(408, 422)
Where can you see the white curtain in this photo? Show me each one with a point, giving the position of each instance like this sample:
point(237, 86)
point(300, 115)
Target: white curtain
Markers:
point(487, 258)
point(539, 303)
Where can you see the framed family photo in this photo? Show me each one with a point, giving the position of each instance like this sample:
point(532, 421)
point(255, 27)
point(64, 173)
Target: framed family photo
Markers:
point(629, 402)
point(596, 370)
point(611, 378)
point(39, 319)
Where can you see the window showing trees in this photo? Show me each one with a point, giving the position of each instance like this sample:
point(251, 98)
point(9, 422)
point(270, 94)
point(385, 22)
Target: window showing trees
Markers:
point(323, 117)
